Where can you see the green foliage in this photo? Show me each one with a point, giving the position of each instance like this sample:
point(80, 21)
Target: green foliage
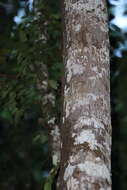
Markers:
point(119, 104)
point(48, 184)
point(36, 40)
point(30, 78)
point(50, 179)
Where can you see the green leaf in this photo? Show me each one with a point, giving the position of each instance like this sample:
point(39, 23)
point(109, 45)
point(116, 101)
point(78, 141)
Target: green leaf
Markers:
point(53, 84)
point(55, 160)
point(6, 115)
point(41, 137)
point(36, 138)
point(23, 37)
point(48, 185)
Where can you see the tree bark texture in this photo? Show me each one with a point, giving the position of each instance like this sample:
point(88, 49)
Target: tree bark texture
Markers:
point(86, 128)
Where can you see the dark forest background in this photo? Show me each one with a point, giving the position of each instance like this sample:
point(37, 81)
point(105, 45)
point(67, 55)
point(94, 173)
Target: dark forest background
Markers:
point(30, 93)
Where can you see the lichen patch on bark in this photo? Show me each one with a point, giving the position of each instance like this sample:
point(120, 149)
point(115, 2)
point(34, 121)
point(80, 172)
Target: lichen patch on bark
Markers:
point(86, 136)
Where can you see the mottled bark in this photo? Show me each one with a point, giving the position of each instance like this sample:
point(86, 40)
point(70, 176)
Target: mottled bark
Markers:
point(48, 117)
point(86, 129)
point(48, 98)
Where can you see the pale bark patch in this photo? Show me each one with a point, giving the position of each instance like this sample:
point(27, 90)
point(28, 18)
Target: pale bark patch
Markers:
point(95, 170)
point(74, 69)
point(77, 27)
point(91, 121)
point(92, 169)
point(55, 135)
point(69, 171)
point(82, 5)
point(72, 183)
point(87, 136)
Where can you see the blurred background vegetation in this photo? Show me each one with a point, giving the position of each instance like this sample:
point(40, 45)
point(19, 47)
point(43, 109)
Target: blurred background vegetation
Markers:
point(30, 91)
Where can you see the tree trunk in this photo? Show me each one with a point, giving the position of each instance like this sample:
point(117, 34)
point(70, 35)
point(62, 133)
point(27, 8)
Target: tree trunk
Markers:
point(86, 128)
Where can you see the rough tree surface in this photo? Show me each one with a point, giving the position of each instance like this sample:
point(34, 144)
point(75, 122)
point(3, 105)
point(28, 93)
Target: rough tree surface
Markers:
point(86, 128)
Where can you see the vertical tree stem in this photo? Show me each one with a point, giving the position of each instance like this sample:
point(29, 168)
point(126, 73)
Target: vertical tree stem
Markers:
point(86, 129)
